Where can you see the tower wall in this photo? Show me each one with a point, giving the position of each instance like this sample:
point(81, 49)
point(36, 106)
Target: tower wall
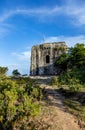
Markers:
point(42, 66)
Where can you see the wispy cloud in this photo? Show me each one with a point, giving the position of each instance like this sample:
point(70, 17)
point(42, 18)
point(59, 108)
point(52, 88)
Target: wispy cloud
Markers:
point(31, 12)
point(69, 9)
point(22, 68)
point(23, 56)
point(76, 13)
point(70, 41)
point(35, 12)
point(5, 29)
point(40, 11)
point(6, 15)
point(22, 62)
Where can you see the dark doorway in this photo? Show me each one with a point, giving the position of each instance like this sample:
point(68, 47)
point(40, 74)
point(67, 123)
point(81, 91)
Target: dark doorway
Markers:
point(37, 71)
point(47, 59)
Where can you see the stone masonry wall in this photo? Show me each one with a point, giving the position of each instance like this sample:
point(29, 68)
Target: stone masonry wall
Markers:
point(43, 58)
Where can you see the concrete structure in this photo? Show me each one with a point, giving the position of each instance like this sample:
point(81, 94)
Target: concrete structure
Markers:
point(44, 56)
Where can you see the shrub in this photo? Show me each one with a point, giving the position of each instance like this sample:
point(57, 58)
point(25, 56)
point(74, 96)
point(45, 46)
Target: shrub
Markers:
point(55, 81)
point(74, 85)
point(15, 102)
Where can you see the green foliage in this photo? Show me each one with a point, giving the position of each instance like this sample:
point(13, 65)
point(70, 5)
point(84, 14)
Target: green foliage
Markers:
point(77, 74)
point(72, 68)
point(34, 90)
point(75, 59)
point(77, 56)
point(76, 108)
point(62, 61)
point(17, 101)
point(16, 73)
point(71, 80)
point(55, 81)
point(74, 84)
point(3, 70)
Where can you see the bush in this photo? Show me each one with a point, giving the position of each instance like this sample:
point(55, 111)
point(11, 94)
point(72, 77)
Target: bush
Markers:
point(71, 80)
point(74, 85)
point(15, 103)
point(55, 81)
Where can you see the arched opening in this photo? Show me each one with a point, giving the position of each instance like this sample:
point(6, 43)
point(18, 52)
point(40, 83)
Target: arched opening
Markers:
point(47, 59)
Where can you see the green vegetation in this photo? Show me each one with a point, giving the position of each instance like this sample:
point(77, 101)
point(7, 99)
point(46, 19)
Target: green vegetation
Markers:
point(76, 108)
point(3, 70)
point(19, 102)
point(72, 67)
point(20, 96)
point(71, 79)
point(75, 58)
point(16, 73)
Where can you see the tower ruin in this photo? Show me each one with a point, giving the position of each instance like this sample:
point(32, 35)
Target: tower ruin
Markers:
point(43, 58)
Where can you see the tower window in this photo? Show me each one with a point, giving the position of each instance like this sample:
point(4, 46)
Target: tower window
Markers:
point(47, 59)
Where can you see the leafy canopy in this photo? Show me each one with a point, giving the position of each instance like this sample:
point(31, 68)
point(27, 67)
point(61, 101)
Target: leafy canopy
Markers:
point(74, 59)
point(16, 72)
point(3, 71)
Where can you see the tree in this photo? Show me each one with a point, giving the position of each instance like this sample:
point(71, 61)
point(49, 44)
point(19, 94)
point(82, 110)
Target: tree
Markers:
point(75, 59)
point(16, 72)
point(3, 70)
point(77, 56)
point(62, 62)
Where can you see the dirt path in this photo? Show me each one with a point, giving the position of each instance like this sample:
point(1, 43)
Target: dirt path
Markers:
point(63, 120)
point(54, 115)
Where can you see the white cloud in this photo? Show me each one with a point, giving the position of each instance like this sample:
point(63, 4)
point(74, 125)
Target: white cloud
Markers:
point(70, 40)
point(40, 11)
point(22, 62)
point(23, 56)
point(22, 68)
point(73, 11)
point(36, 12)
point(13, 66)
point(77, 14)
point(5, 29)
point(7, 15)
point(70, 9)
point(31, 12)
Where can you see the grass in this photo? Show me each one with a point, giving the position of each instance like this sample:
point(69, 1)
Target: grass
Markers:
point(75, 108)
point(74, 102)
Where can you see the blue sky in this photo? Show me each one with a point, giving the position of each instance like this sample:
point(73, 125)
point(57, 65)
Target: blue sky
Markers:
point(24, 23)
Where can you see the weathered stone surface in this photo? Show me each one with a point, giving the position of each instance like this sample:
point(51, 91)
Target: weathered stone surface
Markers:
point(43, 58)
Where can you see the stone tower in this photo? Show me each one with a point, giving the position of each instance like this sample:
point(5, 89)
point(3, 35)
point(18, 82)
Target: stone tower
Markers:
point(44, 56)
